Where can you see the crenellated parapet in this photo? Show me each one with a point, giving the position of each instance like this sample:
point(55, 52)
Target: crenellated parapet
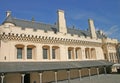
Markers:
point(45, 39)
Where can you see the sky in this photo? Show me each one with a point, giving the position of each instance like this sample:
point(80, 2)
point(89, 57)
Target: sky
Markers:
point(105, 13)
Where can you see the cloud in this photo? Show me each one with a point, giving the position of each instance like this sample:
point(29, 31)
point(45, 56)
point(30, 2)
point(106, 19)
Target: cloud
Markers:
point(112, 30)
point(88, 14)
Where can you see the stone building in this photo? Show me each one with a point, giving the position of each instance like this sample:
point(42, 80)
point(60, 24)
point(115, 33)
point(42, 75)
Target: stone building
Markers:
point(118, 52)
point(34, 52)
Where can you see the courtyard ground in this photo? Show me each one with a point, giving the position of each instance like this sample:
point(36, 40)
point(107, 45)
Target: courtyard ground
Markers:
point(108, 78)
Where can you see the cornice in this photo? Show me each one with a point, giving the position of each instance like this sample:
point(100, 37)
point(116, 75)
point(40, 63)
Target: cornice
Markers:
point(46, 39)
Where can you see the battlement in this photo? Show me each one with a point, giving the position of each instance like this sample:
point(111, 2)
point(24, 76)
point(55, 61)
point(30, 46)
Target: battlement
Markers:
point(30, 32)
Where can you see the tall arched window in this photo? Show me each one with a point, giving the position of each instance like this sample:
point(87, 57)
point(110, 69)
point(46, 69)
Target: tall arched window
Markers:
point(46, 52)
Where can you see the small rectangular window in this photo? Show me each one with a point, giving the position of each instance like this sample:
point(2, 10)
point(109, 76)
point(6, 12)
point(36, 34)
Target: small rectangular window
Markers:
point(19, 53)
point(76, 51)
point(53, 54)
point(45, 53)
point(29, 53)
point(69, 54)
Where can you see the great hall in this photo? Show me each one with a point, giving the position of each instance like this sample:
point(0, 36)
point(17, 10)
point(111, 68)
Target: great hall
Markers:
point(36, 52)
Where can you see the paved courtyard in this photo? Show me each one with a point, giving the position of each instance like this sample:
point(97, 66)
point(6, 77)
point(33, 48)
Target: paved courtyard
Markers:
point(108, 78)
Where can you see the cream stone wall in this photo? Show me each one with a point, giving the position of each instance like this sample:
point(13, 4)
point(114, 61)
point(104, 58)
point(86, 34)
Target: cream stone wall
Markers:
point(12, 35)
point(18, 30)
point(110, 49)
point(63, 41)
point(17, 35)
point(85, 48)
point(8, 51)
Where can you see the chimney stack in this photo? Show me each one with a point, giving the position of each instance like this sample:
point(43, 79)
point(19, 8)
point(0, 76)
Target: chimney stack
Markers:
point(8, 13)
point(92, 29)
point(61, 22)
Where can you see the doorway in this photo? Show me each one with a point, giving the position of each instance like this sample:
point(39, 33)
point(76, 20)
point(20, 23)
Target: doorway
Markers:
point(27, 78)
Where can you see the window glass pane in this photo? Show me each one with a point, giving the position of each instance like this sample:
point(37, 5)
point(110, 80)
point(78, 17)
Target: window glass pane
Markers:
point(87, 53)
point(45, 53)
point(53, 53)
point(29, 53)
point(69, 54)
point(19, 53)
point(76, 53)
point(119, 49)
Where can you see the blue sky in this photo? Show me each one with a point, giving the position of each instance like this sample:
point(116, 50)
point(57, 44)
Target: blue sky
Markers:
point(105, 13)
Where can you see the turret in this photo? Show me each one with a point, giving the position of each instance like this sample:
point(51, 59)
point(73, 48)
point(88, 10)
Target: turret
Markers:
point(61, 22)
point(8, 13)
point(9, 20)
point(92, 29)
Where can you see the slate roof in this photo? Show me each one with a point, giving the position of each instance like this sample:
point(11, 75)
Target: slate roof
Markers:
point(30, 24)
point(46, 27)
point(8, 67)
point(78, 32)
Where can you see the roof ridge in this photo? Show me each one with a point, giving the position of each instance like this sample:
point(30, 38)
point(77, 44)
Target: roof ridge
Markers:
point(77, 29)
point(33, 21)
